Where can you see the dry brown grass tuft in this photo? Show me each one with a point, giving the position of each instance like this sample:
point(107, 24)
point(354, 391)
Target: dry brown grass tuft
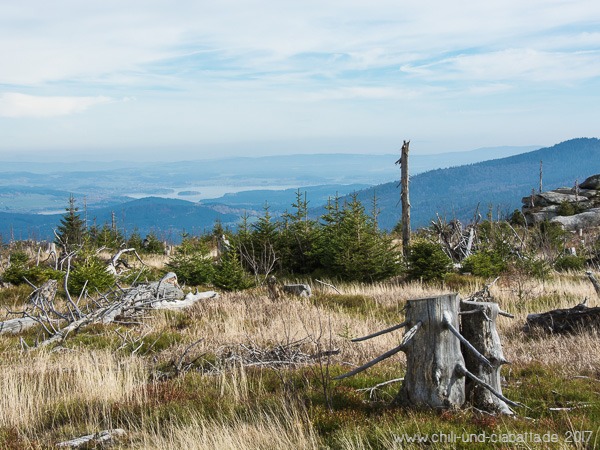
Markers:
point(287, 427)
point(77, 382)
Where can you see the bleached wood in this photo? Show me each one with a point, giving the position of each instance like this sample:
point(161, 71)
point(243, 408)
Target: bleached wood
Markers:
point(404, 181)
point(100, 438)
point(432, 355)
point(465, 342)
point(371, 363)
point(189, 300)
point(483, 388)
point(14, 326)
point(379, 333)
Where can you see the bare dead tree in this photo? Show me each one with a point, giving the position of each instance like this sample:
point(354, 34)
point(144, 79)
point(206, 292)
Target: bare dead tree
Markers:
point(404, 197)
point(116, 259)
point(260, 261)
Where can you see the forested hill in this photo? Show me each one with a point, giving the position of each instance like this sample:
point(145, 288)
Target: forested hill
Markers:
point(501, 183)
point(167, 218)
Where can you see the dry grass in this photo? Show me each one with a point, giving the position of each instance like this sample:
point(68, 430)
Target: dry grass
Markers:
point(34, 384)
point(50, 396)
point(287, 427)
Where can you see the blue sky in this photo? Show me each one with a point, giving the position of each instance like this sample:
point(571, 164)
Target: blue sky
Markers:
point(199, 79)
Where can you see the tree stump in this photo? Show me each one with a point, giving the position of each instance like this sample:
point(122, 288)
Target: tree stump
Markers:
point(478, 326)
point(436, 370)
point(433, 353)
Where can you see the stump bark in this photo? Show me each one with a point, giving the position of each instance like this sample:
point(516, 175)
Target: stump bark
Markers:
point(433, 354)
point(478, 326)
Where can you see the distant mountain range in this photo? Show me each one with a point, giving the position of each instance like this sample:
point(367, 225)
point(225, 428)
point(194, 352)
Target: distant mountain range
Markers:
point(452, 192)
point(30, 187)
point(498, 184)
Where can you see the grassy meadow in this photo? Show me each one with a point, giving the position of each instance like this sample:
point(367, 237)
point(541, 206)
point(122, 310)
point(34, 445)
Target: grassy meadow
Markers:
point(246, 372)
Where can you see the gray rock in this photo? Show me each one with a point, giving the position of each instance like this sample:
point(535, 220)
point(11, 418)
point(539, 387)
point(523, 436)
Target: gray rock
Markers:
point(588, 219)
point(556, 198)
point(592, 182)
point(540, 215)
point(565, 190)
point(587, 193)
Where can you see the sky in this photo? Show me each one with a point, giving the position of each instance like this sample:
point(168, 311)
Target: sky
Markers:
point(159, 80)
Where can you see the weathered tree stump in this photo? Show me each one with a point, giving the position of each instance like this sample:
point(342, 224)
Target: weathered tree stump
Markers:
point(433, 353)
point(439, 358)
point(478, 326)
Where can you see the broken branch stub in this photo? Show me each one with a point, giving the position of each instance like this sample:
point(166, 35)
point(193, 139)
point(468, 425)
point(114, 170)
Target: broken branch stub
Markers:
point(433, 353)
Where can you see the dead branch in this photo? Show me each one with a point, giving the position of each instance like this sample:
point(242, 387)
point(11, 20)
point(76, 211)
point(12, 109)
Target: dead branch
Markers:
point(179, 365)
point(379, 333)
point(98, 439)
point(462, 370)
point(114, 261)
point(371, 363)
point(371, 390)
point(467, 344)
point(330, 285)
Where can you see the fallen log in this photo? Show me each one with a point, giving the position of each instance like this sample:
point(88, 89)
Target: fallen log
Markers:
point(571, 320)
point(117, 304)
point(188, 301)
point(14, 326)
point(137, 299)
point(102, 438)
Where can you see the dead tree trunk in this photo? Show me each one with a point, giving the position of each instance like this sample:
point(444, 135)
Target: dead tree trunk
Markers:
point(478, 326)
point(432, 354)
point(403, 161)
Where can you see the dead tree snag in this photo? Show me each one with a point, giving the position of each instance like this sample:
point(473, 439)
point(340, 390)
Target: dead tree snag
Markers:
point(404, 197)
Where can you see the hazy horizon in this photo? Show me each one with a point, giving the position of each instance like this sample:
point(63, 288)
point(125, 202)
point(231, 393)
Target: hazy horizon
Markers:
point(158, 80)
point(107, 158)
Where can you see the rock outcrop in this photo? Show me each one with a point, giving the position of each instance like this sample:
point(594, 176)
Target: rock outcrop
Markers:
point(574, 208)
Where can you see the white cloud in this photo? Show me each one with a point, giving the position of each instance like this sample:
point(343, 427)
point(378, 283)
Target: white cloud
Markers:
point(16, 105)
point(362, 93)
point(521, 64)
point(66, 40)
